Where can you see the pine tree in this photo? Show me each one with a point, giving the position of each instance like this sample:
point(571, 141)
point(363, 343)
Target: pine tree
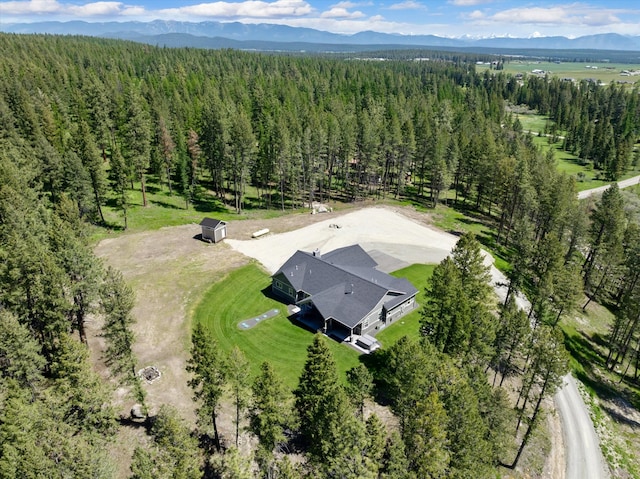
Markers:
point(549, 362)
point(606, 231)
point(425, 437)
point(396, 465)
point(446, 315)
point(81, 398)
point(511, 331)
point(87, 150)
point(348, 454)
point(319, 399)
point(359, 387)
point(167, 150)
point(82, 268)
point(117, 301)
point(137, 138)
point(209, 372)
point(238, 378)
point(271, 411)
point(119, 181)
point(173, 454)
point(195, 152)
point(377, 438)
point(20, 358)
point(232, 465)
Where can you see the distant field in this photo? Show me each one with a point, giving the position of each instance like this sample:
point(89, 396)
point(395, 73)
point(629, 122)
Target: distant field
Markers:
point(603, 72)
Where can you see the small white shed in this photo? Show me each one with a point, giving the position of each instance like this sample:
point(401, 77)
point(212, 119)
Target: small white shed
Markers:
point(213, 230)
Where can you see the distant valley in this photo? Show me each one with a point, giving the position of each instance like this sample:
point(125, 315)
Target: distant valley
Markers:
point(280, 37)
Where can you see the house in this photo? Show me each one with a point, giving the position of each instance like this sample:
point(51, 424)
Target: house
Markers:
point(342, 293)
point(213, 230)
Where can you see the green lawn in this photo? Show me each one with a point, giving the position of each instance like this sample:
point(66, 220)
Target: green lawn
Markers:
point(241, 295)
point(409, 325)
point(533, 123)
point(164, 209)
point(244, 294)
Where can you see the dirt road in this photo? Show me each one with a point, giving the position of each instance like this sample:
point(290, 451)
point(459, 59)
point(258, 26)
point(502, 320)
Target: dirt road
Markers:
point(621, 184)
point(583, 455)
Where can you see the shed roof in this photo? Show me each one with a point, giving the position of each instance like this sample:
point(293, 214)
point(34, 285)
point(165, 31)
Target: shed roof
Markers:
point(211, 223)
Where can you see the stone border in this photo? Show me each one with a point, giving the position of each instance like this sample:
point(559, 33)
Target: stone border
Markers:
point(250, 323)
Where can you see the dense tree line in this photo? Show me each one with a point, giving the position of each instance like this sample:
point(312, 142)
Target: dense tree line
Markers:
point(293, 128)
point(56, 416)
point(601, 123)
point(84, 121)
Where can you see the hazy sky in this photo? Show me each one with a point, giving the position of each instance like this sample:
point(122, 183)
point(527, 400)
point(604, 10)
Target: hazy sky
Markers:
point(438, 17)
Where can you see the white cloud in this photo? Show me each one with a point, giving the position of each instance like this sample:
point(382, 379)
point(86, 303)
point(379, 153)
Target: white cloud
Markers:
point(468, 3)
point(246, 9)
point(95, 9)
point(222, 9)
point(408, 5)
point(337, 12)
point(351, 4)
point(557, 15)
point(34, 6)
point(134, 11)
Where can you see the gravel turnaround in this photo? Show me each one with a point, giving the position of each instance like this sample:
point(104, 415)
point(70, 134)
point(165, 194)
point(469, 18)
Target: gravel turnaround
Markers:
point(378, 229)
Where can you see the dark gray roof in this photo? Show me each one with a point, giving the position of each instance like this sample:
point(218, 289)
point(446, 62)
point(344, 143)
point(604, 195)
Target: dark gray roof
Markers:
point(352, 255)
point(211, 223)
point(344, 284)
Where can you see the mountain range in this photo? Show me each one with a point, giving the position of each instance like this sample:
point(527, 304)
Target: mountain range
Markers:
point(226, 35)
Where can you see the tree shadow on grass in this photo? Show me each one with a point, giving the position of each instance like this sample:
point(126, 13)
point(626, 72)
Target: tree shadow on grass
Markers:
point(112, 226)
point(583, 350)
point(208, 205)
point(620, 418)
point(165, 204)
point(152, 189)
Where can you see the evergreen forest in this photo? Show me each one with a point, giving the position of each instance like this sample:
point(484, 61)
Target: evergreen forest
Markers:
point(84, 122)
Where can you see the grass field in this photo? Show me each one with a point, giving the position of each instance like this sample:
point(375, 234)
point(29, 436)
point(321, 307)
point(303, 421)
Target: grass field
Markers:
point(164, 209)
point(244, 293)
point(533, 123)
point(567, 162)
point(601, 71)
